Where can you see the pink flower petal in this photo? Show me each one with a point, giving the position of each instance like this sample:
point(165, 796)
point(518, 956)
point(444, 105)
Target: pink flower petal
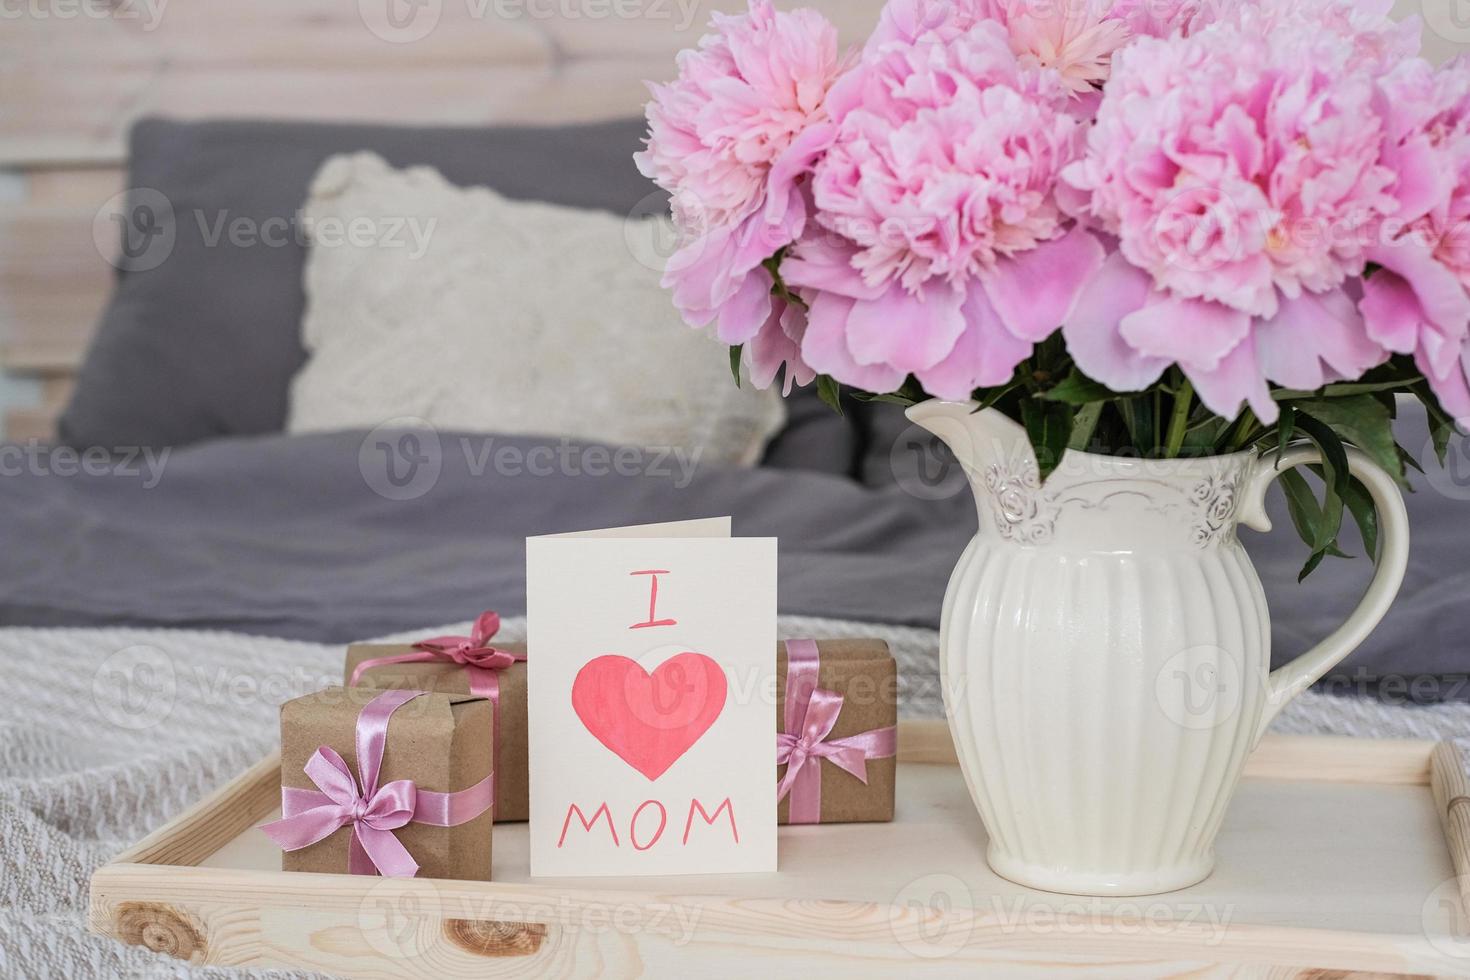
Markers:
point(796, 160)
point(985, 354)
point(1234, 380)
point(1453, 387)
point(1035, 292)
point(1186, 330)
point(778, 345)
point(822, 264)
point(909, 331)
point(824, 347)
point(1315, 339)
point(1391, 311)
point(1092, 334)
point(1442, 300)
point(743, 314)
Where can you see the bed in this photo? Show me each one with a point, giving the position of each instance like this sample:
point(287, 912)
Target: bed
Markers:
point(157, 601)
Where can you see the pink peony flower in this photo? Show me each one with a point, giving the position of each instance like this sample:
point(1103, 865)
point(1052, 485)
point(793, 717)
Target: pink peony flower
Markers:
point(942, 251)
point(1240, 169)
point(1416, 302)
point(1075, 38)
point(730, 139)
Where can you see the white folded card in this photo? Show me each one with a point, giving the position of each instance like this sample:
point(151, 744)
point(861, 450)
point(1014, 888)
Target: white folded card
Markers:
point(651, 716)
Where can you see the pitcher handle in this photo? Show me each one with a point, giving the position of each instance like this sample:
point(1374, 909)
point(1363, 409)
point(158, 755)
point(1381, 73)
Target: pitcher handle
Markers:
point(1289, 680)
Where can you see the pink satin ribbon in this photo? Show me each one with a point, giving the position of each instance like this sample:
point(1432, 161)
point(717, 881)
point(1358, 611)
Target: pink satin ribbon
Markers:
point(481, 661)
point(373, 812)
point(811, 714)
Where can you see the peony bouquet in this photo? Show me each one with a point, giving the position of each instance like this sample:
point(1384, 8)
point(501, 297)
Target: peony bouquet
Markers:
point(1159, 227)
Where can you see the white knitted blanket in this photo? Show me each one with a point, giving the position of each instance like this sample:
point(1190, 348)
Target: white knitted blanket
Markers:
point(108, 733)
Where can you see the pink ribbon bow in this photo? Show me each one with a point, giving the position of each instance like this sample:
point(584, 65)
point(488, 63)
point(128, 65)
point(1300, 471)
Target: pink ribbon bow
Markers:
point(474, 653)
point(811, 713)
point(373, 812)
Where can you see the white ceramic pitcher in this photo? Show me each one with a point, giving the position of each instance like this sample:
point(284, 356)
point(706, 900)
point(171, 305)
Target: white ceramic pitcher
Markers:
point(1105, 651)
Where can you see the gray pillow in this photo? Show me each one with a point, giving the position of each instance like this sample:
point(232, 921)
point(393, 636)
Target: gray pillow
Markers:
point(202, 335)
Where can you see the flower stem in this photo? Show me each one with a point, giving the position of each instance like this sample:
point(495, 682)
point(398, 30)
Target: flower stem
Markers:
point(1179, 422)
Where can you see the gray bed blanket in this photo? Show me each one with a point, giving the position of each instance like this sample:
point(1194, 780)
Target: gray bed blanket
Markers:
point(340, 536)
point(345, 535)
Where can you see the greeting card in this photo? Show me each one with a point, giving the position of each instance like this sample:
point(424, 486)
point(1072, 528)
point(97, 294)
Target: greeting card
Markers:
point(649, 701)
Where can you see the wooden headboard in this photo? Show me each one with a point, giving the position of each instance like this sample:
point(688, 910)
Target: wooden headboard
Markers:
point(74, 76)
point(71, 85)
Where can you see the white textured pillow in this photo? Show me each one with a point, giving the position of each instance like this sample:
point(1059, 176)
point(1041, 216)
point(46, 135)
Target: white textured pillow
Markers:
point(482, 314)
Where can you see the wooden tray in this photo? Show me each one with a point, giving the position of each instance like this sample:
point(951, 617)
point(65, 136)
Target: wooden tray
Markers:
point(1332, 859)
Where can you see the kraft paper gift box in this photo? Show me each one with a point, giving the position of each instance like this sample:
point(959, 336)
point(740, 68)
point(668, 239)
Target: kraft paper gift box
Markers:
point(443, 744)
point(857, 681)
point(444, 675)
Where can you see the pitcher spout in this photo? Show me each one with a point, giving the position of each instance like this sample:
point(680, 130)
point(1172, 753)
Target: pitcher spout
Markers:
point(977, 437)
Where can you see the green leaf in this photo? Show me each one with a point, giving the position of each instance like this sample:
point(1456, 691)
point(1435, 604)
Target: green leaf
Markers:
point(1285, 429)
point(1310, 521)
point(1302, 506)
point(1201, 439)
point(1341, 389)
point(1363, 421)
point(993, 396)
point(1441, 426)
point(735, 363)
point(1138, 416)
point(1049, 426)
point(830, 392)
point(892, 398)
point(1337, 480)
point(1078, 389)
point(1365, 513)
point(1084, 424)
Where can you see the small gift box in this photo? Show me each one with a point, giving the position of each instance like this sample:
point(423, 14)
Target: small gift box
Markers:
point(838, 715)
point(396, 783)
point(463, 665)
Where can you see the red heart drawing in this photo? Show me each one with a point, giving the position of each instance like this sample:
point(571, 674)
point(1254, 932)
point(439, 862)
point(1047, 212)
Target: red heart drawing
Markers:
point(649, 721)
